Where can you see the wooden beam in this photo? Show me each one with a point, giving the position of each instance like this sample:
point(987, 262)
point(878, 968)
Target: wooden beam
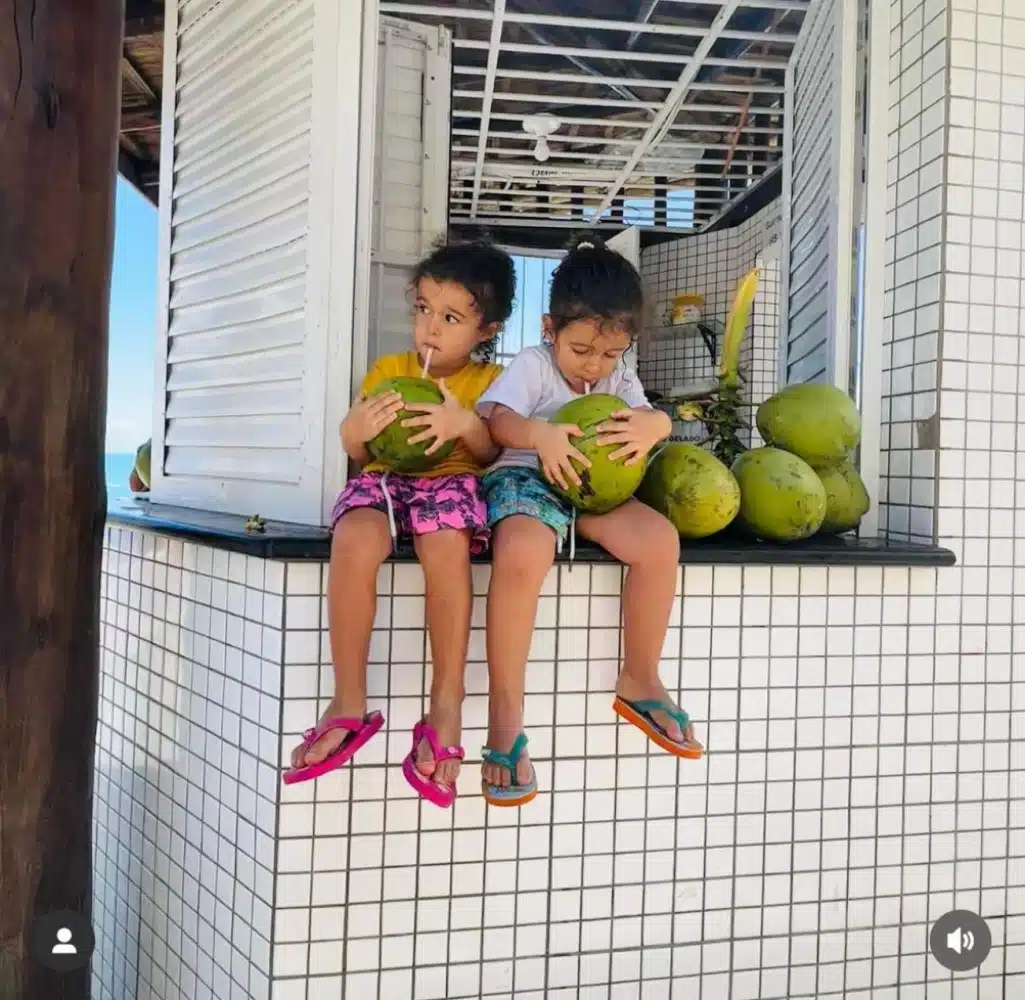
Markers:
point(140, 119)
point(133, 75)
point(735, 136)
point(59, 84)
point(133, 102)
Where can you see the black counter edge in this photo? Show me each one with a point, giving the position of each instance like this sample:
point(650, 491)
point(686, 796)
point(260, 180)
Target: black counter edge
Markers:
point(294, 542)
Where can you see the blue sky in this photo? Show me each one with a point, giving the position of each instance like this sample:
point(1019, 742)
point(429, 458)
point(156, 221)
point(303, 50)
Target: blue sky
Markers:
point(133, 318)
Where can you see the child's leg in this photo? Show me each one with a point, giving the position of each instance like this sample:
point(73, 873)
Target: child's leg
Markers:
point(448, 520)
point(648, 545)
point(360, 543)
point(445, 558)
point(522, 552)
point(527, 520)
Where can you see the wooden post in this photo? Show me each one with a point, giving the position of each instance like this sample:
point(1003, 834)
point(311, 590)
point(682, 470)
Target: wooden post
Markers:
point(59, 109)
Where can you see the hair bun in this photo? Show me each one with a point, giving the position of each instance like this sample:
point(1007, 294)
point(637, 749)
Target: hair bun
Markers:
point(587, 241)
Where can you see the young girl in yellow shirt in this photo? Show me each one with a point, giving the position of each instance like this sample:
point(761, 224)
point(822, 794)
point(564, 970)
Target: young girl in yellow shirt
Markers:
point(464, 293)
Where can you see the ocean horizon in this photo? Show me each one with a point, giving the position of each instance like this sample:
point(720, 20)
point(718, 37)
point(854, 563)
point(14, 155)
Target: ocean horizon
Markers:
point(117, 468)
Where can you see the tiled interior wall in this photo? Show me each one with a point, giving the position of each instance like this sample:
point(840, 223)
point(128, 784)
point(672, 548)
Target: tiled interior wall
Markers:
point(866, 774)
point(759, 354)
point(704, 265)
point(711, 265)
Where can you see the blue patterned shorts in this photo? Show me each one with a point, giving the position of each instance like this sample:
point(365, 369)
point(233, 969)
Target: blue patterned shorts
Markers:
point(518, 490)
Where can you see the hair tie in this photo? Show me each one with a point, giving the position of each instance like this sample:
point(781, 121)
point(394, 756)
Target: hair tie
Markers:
point(585, 246)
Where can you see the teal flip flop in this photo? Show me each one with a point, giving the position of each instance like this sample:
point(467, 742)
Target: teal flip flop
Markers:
point(513, 795)
point(642, 715)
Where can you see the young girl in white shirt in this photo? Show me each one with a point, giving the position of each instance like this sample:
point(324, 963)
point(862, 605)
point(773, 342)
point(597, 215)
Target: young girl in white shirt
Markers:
point(595, 313)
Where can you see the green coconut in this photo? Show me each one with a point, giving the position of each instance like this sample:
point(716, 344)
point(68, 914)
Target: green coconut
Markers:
point(391, 447)
point(606, 484)
point(692, 488)
point(781, 497)
point(847, 500)
point(816, 422)
point(142, 463)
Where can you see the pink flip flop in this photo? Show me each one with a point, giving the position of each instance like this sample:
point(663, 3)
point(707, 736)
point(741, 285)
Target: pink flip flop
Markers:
point(360, 731)
point(426, 787)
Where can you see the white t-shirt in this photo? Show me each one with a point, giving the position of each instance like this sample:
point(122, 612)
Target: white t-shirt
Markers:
point(532, 386)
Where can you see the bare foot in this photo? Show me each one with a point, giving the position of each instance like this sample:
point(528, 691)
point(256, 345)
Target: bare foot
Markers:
point(503, 728)
point(330, 741)
point(633, 689)
point(446, 718)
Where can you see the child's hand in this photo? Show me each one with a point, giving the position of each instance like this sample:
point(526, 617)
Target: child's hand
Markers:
point(370, 416)
point(554, 451)
point(638, 431)
point(443, 422)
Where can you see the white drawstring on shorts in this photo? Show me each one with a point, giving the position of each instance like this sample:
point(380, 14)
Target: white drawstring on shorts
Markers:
point(572, 535)
point(392, 529)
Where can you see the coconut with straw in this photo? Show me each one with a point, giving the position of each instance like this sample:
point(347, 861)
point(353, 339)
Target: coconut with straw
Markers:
point(392, 447)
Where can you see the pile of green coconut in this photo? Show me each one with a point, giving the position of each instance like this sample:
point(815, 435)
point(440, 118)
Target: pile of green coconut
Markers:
point(801, 483)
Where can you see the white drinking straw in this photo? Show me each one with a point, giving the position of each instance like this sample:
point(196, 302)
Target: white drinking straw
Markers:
point(427, 362)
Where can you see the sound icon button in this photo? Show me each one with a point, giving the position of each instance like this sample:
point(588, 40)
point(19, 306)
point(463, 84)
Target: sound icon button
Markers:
point(960, 940)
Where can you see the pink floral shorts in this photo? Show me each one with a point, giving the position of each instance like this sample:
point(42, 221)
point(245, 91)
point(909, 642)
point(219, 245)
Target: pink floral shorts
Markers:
point(420, 505)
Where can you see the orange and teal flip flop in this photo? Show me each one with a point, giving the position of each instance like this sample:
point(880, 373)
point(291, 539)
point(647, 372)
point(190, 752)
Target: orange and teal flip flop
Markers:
point(513, 794)
point(641, 715)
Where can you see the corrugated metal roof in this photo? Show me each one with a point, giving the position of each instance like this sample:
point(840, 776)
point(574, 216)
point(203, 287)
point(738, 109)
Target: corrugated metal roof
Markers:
point(657, 113)
point(652, 112)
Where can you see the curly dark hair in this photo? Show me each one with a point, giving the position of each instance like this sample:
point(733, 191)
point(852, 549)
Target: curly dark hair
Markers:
point(594, 282)
point(486, 271)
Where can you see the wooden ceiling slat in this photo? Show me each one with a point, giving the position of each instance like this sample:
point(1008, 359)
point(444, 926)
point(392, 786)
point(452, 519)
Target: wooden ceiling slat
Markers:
point(141, 68)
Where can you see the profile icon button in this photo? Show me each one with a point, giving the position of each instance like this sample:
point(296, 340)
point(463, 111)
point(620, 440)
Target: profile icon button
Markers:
point(64, 945)
point(62, 941)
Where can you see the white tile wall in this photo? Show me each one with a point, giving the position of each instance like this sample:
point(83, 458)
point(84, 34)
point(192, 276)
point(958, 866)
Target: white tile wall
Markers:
point(917, 196)
point(711, 265)
point(187, 771)
point(867, 774)
point(982, 350)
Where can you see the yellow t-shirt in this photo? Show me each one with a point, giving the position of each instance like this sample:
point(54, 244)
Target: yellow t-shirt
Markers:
point(467, 385)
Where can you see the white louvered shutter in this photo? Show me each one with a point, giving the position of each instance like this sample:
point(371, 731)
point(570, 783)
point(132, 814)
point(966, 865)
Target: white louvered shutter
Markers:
point(239, 358)
point(818, 196)
point(414, 75)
